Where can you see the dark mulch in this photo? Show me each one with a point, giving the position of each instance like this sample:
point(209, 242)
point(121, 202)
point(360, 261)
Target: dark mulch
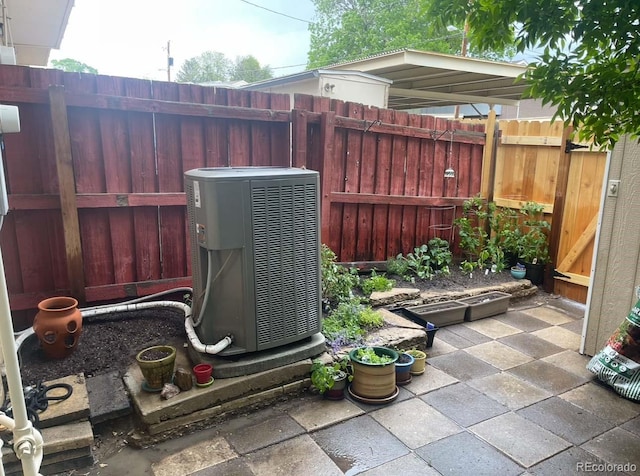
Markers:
point(108, 342)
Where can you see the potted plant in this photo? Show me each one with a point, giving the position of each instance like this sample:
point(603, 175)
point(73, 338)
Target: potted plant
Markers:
point(331, 379)
point(533, 246)
point(419, 361)
point(156, 364)
point(374, 374)
point(403, 368)
point(473, 228)
point(505, 235)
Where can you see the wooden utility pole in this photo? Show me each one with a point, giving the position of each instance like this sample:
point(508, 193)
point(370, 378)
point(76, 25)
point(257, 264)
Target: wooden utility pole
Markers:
point(169, 61)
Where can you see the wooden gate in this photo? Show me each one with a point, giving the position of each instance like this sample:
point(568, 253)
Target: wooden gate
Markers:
point(534, 163)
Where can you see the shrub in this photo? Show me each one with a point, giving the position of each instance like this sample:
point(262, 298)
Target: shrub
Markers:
point(349, 322)
point(337, 280)
point(376, 282)
point(424, 263)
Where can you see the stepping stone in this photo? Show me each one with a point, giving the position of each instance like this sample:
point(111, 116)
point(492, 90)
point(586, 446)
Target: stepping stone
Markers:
point(108, 397)
point(74, 408)
point(66, 447)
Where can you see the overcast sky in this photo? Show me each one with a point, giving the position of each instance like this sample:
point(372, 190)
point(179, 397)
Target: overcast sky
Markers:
point(129, 37)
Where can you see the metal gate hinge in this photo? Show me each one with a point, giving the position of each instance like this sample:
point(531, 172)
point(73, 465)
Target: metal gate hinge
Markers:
point(569, 146)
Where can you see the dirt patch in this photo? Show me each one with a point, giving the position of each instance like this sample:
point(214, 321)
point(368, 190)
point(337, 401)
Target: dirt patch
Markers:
point(111, 342)
point(108, 342)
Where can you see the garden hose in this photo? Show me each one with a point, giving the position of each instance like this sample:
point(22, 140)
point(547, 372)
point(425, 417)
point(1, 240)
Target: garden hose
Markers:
point(37, 400)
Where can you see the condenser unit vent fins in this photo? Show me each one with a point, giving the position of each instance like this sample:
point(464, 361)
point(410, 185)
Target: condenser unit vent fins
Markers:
point(285, 243)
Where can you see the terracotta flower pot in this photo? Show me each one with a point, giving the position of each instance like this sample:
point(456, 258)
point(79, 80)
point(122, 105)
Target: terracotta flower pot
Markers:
point(58, 325)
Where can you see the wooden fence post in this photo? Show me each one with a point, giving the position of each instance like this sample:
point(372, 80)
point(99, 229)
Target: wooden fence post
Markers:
point(327, 133)
point(489, 157)
point(66, 183)
point(562, 180)
point(299, 138)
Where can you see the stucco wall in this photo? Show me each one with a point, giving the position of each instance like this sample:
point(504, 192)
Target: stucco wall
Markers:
point(617, 270)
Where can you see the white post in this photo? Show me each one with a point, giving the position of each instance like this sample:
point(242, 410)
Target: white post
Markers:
point(27, 440)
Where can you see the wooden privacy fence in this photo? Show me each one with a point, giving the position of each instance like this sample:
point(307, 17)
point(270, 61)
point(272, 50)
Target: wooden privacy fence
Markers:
point(384, 189)
point(95, 177)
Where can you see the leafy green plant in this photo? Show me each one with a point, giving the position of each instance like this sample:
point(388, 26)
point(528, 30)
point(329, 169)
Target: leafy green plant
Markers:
point(506, 231)
point(424, 263)
point(398, 266)
point(441, 256)
point(349, 322)
point(376, 282)
point(324, 376)
point(337, 281)
point(533, 245)
point(473, 228)
point(368, 354)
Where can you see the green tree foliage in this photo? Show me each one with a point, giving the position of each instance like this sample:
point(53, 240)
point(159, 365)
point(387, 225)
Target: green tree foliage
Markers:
point(73, 66)
point(588, 65)
point(348, 29)
point(248, 68)
point(215, 66)
point(208, 66)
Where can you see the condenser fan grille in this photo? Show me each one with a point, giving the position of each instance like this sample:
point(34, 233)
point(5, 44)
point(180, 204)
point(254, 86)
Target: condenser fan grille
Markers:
point(285, 258)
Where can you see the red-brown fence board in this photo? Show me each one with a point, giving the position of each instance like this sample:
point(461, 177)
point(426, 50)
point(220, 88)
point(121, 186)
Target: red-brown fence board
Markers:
point(367, 185)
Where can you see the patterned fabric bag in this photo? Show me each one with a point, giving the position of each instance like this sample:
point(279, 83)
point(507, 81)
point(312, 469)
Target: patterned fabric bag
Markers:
point(618, 363)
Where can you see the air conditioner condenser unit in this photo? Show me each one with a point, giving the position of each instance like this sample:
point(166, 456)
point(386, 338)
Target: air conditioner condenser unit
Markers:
point(255, 248)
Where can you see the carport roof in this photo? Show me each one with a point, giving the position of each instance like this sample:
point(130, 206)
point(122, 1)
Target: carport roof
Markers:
point(424, 79)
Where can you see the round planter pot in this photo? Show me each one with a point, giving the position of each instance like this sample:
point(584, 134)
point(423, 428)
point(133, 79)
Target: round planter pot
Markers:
point(518, 273)
point(419, 361)
point(203, 373)
point(339, 384)
point(403, 369)
point(535, 273)
point(156, 364)
point(58, 325)
point(374, 381)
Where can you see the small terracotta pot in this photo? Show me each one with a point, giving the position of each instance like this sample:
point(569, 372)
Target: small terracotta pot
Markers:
point(203, 373)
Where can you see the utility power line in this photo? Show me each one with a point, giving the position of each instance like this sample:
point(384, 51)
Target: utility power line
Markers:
point(277, 13)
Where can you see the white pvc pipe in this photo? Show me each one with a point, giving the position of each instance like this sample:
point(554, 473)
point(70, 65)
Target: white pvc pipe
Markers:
point(27, 440)
point(125, 307)
point(205, 348)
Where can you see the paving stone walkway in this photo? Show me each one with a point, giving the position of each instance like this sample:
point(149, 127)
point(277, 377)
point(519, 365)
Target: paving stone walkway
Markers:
point(505, 395)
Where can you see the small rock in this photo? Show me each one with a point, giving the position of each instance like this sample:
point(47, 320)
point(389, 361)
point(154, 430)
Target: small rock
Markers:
point(183, 379)
point(169, 390)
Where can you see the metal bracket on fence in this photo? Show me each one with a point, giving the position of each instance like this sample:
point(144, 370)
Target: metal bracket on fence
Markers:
point(441, 134)
point(377, 122)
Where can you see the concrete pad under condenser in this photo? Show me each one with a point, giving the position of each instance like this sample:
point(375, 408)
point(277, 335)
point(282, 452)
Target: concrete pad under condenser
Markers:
point(251, 363)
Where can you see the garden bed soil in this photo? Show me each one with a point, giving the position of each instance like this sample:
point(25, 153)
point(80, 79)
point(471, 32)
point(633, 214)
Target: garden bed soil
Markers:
point(111, 342)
